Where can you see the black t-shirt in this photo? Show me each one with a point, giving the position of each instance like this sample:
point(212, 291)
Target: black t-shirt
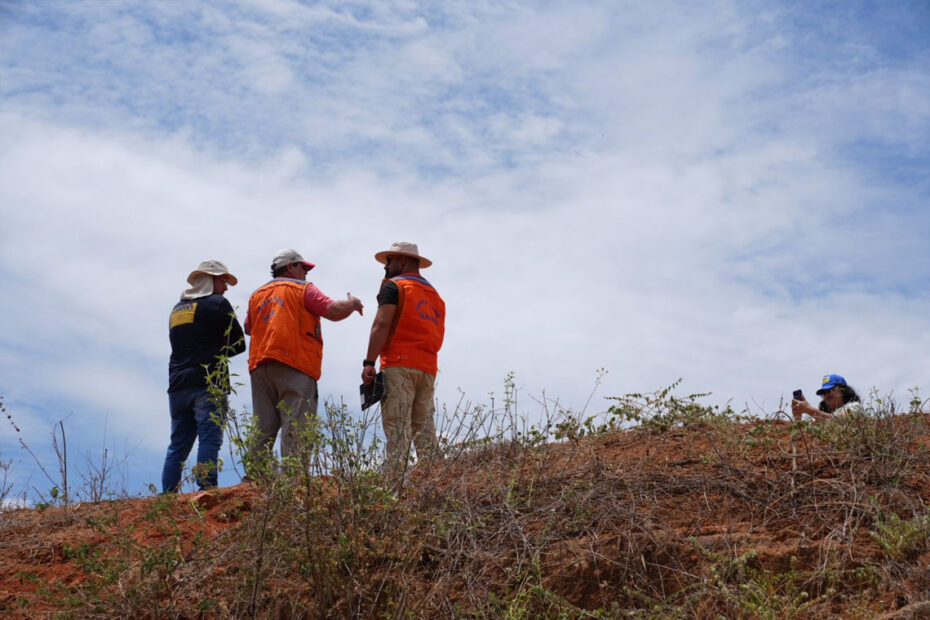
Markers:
point(198, 333)
point(388, 295)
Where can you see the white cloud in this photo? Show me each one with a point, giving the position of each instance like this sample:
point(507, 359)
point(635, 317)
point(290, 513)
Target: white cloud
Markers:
point(649, 189)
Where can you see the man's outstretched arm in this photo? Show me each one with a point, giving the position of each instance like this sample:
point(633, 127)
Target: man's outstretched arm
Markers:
point(339, 310)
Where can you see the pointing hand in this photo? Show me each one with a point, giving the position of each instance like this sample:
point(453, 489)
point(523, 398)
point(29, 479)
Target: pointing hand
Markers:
point(356, 303)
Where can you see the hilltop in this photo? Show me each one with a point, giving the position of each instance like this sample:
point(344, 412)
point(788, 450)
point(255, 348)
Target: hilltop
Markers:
point(702, 517)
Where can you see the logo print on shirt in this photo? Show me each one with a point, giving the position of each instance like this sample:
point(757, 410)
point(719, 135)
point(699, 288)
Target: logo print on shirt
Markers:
point(182, 314)
point(262, 308)
point(428, 311)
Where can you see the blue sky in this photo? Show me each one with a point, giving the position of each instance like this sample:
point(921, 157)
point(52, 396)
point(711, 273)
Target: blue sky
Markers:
point(735, 193)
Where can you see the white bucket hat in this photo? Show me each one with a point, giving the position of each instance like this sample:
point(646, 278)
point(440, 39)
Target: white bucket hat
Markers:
point(288, 256)
point(403, 248)
point(213, 268)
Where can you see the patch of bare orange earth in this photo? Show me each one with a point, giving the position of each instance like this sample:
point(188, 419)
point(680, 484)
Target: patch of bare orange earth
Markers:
point(37, 546)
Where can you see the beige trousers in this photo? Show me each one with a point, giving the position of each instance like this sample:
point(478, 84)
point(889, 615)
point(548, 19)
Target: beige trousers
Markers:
point(407, 414)
point(283, 398)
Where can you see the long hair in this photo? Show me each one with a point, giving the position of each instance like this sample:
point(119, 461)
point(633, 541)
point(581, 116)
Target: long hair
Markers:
point(849, 395)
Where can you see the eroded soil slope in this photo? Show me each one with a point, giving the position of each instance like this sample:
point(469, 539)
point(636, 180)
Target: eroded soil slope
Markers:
point(763, 519)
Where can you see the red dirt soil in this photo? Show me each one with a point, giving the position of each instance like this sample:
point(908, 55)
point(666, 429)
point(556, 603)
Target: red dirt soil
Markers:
point(651, 510)
point(38, 545)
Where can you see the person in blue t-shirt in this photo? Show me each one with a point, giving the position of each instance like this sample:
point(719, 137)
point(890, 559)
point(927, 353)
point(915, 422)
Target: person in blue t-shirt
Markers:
point(203, 330)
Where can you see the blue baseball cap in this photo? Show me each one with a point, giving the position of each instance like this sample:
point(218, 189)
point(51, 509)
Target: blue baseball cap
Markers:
point(829, 382)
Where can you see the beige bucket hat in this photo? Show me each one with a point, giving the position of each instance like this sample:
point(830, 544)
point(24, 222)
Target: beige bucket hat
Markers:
point(213, 268)
point(404, 248)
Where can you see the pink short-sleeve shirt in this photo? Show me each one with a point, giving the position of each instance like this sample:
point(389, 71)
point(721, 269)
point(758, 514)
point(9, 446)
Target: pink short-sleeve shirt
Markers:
point(315, 301)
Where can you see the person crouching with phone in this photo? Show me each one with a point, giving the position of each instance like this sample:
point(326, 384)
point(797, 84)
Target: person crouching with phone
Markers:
point(838, 399)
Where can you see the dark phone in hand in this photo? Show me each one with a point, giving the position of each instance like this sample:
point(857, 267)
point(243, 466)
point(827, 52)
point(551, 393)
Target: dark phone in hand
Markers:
point(798, 395)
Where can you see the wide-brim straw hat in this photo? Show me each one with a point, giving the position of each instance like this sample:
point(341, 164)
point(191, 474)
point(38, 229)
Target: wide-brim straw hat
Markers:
point(213, 268)
point(403, 248)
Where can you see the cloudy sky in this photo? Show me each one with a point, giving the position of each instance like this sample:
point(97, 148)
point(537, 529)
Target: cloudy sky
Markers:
point(734, 193)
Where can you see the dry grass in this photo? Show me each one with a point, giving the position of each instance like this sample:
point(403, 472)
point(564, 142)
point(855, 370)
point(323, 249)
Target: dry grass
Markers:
point(703, 515)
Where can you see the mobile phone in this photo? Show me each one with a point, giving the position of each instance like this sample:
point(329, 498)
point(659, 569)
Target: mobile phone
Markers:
point(798, 395)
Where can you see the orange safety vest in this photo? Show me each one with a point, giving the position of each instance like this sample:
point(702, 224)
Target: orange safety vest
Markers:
point(418, 328)
point(282, 328)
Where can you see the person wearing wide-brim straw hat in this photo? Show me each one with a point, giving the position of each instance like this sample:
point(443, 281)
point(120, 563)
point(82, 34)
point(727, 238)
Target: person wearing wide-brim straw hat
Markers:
point(211, 268)
point(406, 334)
point(204, 332)
point(403, 248)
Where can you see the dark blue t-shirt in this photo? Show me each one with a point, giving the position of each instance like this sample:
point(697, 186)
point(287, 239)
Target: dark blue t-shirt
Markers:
point(200, 330)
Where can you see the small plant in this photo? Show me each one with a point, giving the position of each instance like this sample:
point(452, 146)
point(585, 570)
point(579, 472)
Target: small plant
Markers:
point(901, 538)
point(59, 489)
point(884, 443)
point(97, 476)
point(916, 404)
point(661, 410)
point(6, 485)
point(744, 587)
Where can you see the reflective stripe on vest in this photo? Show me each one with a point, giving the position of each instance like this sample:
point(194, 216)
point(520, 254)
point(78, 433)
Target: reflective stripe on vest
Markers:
point(419, 326)
point(283, 329)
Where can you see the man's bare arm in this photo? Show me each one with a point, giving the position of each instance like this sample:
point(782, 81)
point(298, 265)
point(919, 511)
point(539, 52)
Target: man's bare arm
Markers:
point(380, 330)
point(343, 308)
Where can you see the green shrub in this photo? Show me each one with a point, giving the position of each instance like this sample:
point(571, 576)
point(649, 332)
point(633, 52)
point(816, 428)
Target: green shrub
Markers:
point(901, 538)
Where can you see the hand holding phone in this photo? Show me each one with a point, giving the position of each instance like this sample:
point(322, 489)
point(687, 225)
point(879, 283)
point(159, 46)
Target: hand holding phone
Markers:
point(797, 397)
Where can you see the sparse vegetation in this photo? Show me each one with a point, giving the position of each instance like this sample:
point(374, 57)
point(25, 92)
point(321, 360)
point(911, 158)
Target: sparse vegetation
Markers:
point(661, 507)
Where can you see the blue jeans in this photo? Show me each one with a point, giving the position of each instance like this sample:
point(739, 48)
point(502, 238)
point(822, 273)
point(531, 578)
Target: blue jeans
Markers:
point(192, 417)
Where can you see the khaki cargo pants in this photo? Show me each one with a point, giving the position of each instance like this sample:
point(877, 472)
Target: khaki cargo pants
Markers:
point(407, 414)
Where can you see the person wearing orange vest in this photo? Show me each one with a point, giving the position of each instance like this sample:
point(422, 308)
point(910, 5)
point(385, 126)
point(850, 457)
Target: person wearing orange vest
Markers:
point(286, 351)
point(406, 334)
